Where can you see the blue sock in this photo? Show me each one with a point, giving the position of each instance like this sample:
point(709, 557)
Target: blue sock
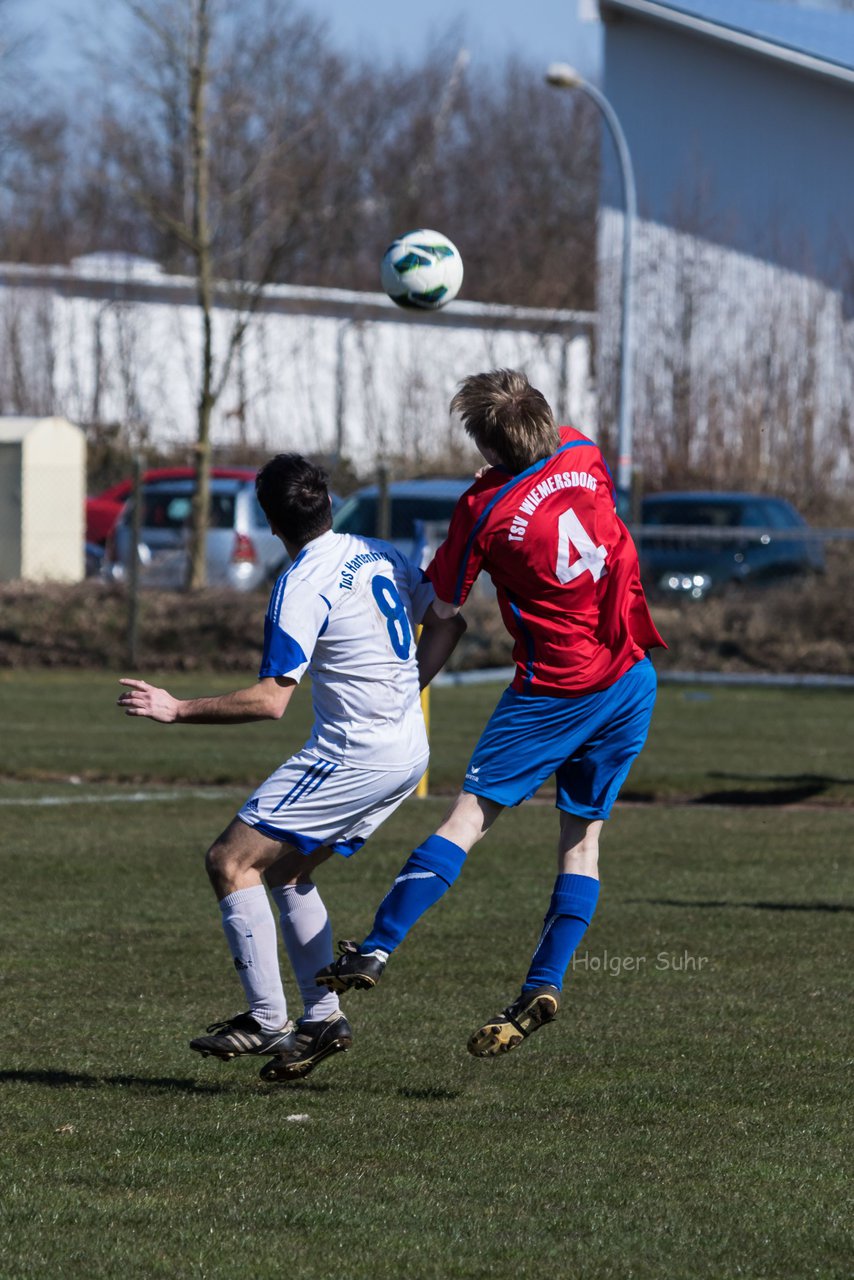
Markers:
point(570, 912)
point(428, 872)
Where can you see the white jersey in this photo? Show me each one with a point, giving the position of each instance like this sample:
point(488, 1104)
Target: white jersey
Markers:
point(345, 612)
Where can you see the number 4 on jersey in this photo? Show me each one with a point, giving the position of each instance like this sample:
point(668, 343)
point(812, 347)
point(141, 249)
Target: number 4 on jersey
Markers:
point(571, 533)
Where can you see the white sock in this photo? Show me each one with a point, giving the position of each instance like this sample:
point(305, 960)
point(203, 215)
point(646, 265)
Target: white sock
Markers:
point(308, 938)
point(250, 930)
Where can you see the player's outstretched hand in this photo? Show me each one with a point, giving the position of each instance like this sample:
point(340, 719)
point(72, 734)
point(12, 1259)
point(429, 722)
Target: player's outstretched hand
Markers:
point(142, 699)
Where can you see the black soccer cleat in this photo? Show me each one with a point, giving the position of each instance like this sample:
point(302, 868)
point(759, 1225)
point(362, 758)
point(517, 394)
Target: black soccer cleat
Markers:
point(532, 1009)
point(238, 1036)
point(308, 1044)
point(352, 969)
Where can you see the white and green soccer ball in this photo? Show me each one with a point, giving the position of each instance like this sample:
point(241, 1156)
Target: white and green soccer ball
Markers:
point(422, 269)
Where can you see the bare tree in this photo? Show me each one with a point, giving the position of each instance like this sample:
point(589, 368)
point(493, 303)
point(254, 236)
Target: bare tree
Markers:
point(230, 144)
point(199, 155)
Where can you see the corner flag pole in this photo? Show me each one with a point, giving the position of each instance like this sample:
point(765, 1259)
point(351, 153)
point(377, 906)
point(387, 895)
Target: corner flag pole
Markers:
point(421, 790)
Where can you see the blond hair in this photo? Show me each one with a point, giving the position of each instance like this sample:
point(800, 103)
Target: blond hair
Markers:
point(503, 412)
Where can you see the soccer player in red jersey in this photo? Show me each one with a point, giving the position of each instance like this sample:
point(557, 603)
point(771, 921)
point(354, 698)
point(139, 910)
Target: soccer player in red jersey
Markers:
point(541, 520)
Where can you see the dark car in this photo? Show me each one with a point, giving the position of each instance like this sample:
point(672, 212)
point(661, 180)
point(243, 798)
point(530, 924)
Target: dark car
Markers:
point(416, 508)
point(693, 543)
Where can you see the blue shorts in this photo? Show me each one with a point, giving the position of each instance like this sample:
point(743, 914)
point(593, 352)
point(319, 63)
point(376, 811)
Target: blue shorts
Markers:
point(589, 743)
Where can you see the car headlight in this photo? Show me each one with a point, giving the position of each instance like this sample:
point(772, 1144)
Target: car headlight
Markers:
point(694, 585)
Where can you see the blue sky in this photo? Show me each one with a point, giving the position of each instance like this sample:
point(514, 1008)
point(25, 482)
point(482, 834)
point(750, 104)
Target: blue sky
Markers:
point(539, 31)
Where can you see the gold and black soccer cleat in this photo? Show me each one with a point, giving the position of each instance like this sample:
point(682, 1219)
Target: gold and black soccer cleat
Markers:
point(531, 1010)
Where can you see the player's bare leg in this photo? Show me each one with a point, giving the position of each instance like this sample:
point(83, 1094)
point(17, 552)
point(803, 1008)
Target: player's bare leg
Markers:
point(578, 846)
point(424, 878)
point(568, 916)
point(239, 857)
point(468, 819)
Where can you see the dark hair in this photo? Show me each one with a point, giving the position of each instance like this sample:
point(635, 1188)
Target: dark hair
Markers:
point(293, 496)
point(504, 412)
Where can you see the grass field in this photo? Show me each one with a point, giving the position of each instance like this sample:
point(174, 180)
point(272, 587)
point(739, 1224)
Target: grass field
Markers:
point(685, 1117)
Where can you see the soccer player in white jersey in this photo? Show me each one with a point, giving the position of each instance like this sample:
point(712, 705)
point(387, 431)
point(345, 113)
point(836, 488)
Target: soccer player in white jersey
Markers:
point(345, 612)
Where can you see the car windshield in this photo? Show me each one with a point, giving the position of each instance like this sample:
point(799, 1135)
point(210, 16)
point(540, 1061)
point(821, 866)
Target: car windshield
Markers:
point(359, 514)
point(707, 515)
point(168, 509)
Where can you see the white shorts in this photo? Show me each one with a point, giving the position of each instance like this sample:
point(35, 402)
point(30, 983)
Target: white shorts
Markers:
point(310, 801)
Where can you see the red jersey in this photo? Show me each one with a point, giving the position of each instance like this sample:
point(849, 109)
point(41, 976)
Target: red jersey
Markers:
point(564, 566)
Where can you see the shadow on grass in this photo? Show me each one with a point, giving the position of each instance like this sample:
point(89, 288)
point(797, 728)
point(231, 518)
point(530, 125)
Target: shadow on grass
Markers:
point(784, 788)
point(824, 779)
point(430, 1095)
point(304, 1086)
point(70, 1080)
point(832, 907)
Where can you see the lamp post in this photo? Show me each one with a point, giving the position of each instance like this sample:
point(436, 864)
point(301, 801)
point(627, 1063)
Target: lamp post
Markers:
point(563, 76)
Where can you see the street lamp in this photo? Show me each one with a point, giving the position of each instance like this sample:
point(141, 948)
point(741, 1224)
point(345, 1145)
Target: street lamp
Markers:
point(563, 76)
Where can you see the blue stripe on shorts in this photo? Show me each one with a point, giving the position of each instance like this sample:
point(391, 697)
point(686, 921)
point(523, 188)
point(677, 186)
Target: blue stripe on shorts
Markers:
point(307, 844)
point(314, 777)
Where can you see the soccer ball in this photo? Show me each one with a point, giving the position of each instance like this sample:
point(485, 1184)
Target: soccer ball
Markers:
point(422, 269)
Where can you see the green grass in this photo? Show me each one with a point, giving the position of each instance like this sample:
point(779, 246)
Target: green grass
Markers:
point(727, 744)
point(677, 1121)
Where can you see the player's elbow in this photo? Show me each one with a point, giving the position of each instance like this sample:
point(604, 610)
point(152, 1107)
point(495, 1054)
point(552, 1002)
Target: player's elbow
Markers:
point(276, 705)
point(272, 698)
point(451, 627)
point(442, 610)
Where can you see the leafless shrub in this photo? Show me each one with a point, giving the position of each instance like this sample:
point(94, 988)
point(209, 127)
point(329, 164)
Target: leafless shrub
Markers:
point(802, 626)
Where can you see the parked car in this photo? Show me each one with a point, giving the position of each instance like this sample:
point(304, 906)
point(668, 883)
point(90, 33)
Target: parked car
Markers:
point(241, 551)
point(751, 538)
point(104, 509)
point(417, 507)
point(102, 512)
point(93, 558)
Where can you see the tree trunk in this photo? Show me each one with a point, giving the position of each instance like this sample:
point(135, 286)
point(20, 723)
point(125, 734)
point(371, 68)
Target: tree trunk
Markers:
point(197, 573)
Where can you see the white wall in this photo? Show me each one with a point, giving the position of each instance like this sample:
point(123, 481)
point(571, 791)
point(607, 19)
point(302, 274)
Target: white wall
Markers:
point(745, 368)
point(42, 496)
point(319, 370)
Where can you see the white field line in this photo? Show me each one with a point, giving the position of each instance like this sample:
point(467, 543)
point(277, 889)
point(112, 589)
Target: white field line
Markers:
point(127, 797)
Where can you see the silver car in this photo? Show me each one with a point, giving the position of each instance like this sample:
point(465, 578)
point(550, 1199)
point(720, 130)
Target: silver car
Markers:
point(242, 553)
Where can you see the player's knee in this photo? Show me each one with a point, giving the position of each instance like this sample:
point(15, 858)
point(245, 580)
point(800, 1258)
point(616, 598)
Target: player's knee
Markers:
point(218, 861)
point(580, 862)
point(579, 846)
point(468, 819)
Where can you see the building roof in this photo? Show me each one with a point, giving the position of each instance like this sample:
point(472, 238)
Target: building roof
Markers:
point(15, 429)
point(122, 277)
point(818, 40)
